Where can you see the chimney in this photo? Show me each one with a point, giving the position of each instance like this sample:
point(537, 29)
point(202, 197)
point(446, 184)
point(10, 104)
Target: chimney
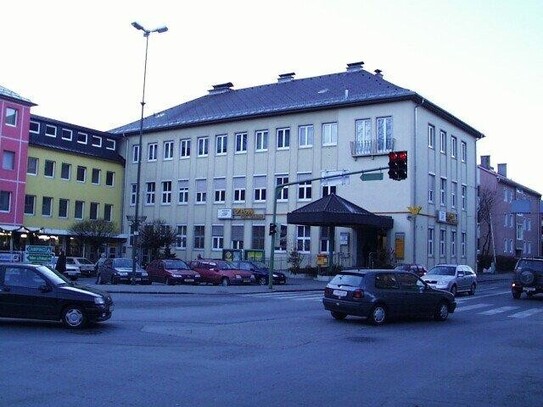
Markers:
point(286, 77)
point(502, 170)
point(485, 162)
point(378, 73)
point(355, 66)
point(221, 88)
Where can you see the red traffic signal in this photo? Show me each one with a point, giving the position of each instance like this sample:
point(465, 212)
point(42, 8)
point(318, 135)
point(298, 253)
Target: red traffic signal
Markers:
point(397, 165)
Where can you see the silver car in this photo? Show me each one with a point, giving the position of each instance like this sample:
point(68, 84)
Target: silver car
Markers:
point(456, 278)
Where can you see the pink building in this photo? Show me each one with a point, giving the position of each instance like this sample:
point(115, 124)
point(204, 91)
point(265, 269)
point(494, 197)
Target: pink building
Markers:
point(14, 128)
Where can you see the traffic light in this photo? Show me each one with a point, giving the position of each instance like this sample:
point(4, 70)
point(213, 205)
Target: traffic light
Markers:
point(273, 229)
point(397, 165)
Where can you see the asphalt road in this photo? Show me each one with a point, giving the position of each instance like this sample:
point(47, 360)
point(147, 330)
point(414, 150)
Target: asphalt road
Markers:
point(277, 349)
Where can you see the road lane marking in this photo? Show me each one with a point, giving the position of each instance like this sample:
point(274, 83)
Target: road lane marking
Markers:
point(470, 307)
point(527, 313)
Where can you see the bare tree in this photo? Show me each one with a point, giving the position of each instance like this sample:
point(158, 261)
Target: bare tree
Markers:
point(156, 235)
point(94, 232)
point(487, 202)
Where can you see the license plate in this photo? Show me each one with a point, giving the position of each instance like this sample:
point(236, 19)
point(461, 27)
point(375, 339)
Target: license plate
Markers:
point(246, 280)
point(189, 280)
point(339, 293)
point(529, 289)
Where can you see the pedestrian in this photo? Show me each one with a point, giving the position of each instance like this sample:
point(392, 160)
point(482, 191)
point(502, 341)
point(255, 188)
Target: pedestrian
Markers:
point(61, 263)
point(98, 268)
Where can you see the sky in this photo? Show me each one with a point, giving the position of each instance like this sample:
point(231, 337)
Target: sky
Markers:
point(82, 61)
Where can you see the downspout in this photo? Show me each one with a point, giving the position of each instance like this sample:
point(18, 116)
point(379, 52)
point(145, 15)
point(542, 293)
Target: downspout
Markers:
point(414, 183)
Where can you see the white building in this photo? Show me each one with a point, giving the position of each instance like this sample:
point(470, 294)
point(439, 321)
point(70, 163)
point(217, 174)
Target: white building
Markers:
point(210, 167)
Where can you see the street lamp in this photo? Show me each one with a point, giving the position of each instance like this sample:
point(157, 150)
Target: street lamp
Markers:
point(136, 221)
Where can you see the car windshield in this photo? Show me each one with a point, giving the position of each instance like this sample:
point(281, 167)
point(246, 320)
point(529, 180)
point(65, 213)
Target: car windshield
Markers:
point(442, 271)
point(534, 265)
point(353, 280)
point(83, 260)
point(175, 264)
point(122, 263)
point(402, 267)
point(259, 264)
point(54, 276)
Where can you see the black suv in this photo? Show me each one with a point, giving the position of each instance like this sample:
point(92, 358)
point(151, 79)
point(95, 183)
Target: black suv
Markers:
point(528, 277)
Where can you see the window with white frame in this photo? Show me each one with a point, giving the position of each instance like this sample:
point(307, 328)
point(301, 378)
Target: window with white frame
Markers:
point(110, 178)
point(505, 245)
point(363, 136)
point(47, 206)
point(305, 135)
point(329, 134)
point(259, 188)
point(217, 237)
point(463, 243)
point(442, 242)
point(443, 191)
point(324, 239)
point(431, 136)
point(34, 127)
point(430, 242)
point(258, 237)
point(67, 134)
point(385, 141)
point(181, 237)
point(96, 141)
point(133, 194)
point(454, 189)
point(304, 187)
point(241, 142)
point(237, 237)
point(32, 167)
point(328, 189)
point(79, 210)
point(50, 131)
point(261, 140)
point(111, 144)
point(166, 192)
point(453, 243)
point(454, 147)
point(303, 238)
point(283, 138)
point(219, 187)
point(11, 116)
point(431, 187)
point(443, 142)
point(281, 242)
point(81, 175)
point(201, 191)
point(65, 171)
point(520, 231)
point(239, 189)
point(5, 201)
point(463, 151)
point(94, 207)
point(30, 204)
point(135, 153)
point(221, 142)
point(152, 152)
point(82, 138)
point(95, 176)
point(199, 236)
point(8, 160)
point(280, 180)
point(150, 190)
point(62, 208)
point(108, 212)
point(184, 148)
point(183, 191)
point(464, 197)
point(203, 146)
point(168, 150)
point(49, 169)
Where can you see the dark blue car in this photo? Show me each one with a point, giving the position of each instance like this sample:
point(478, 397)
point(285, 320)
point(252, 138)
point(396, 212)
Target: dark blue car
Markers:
point(261, 272)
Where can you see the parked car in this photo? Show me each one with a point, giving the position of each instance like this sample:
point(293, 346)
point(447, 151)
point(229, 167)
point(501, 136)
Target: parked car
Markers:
point(72, 270)
point(32, 291)
point(380, 295)
point(221, 272)
point(527, 277)
point(86, 267)
point(418, 269)
point(119, 270)
point(171, 272)
point(260, 271)
point(456, 278)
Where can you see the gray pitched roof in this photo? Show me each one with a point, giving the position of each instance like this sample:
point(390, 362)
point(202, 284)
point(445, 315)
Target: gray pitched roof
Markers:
point(351, 88)
point(5, 92)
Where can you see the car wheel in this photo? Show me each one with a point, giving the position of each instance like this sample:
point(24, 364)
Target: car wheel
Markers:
point(516, 294)
point(442, 311)
point(472, 289)
point(527, 277)
point(378, 315)
point(262, 281)
point(73, 317)
point(225, 281)
point(338, 315)
point(454, 290)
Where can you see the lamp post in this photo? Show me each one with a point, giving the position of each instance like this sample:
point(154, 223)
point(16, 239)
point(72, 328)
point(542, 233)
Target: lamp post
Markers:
point(136, 219)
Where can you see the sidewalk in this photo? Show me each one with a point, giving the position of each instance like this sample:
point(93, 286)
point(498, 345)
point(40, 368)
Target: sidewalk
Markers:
point(294, 283)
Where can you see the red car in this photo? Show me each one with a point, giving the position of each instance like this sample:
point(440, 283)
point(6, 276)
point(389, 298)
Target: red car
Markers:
point(221, 272)
point(171, 272)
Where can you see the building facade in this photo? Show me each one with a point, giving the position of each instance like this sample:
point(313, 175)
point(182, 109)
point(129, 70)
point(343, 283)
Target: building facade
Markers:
point(210, 167)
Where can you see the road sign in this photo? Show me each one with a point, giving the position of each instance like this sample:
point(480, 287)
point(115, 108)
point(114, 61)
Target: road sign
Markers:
point(372, 176)
point(38, 254)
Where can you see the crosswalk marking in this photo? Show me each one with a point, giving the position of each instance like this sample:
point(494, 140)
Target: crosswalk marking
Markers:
point(471, 307)
point(498, 310)
point(527, 313)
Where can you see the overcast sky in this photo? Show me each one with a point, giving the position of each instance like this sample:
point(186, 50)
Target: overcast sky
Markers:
point(482, 61)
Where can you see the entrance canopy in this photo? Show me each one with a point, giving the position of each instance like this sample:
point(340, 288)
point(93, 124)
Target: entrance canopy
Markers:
point(332, 210)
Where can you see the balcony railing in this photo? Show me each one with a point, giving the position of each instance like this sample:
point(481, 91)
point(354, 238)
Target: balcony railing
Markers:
point(371, 147)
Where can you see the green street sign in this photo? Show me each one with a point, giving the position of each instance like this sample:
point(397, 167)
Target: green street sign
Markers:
point(376, 176)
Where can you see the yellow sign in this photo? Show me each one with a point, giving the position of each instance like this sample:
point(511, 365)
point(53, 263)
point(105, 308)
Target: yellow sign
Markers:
point(322, 260)
point(414, 210)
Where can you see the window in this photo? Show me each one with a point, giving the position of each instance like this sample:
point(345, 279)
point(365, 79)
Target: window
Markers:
point(281, 243)
point(260, 194)
point(63, 208)
point(46, 206)
point(32, 168)
point(221, 141)
point(304, 188)
point(50, 131)
point(79, 210)
point(111, 144)
point(8, 160)
point(454, 147)
point(239, 195)
point(305, 135)
point(94, 206)
point(81, 173)
point(217, 237)
point(454, 190)
point(5, 201)
point(168, 150)
point(258, 237)
point(443, 191)
point(203, 146)
point(324, 240)
point(442, 142)
point(34, 127)
point(49, 169)
point(280, 180)
point(96, 141)
point(30, 204)
point(152, 151)
point(11, 116)
point(303, 238)
point(363, 144)
point(431, 136)
point(431, 187)
point(133, 194)
point(181, 237)
point(442, 241)
point(464, 190)
point(183, 191)
point(329, 134)
point(135, 153)
point(96, 176)
point(150, 189)
point(66, 134)
point(184, 148)
point(65, 171)
point(241, 142)
point(108, 212)
point(384, 134)
point(453, 243)
point(82, 138)
point(464, 239)
point(199, 237)
point(283, 138)
point(464, 151)
point(166, 192)
point(237, 237)
point(430, 247)
point(328, 189)
point(261, 140)
point(220, 195)
point(110, 178)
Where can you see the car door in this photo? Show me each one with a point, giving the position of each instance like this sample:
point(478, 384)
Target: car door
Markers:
point(462, 279)
point(418, 300)
point(387, 290)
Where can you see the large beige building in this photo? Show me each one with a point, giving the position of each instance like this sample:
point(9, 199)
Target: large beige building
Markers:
point(210, 167)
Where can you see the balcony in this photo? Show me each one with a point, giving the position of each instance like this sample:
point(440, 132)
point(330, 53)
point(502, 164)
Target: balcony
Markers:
point(372, 147)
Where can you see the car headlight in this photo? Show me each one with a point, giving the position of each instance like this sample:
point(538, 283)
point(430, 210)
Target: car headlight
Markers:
point(238, 276)
point(99, 300)
point(197, 275)
point(144, 274)
point(122, 273)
